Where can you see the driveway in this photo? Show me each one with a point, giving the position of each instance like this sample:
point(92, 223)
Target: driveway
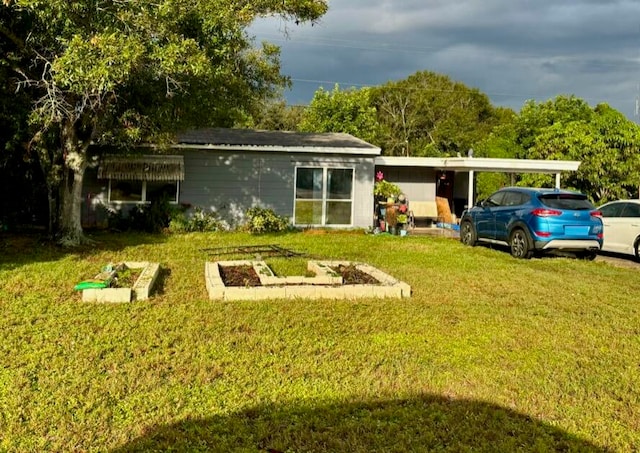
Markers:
point(618, 260)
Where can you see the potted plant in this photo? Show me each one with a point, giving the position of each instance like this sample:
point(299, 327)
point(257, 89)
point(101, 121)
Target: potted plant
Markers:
point(403, 219)
point(383, 189)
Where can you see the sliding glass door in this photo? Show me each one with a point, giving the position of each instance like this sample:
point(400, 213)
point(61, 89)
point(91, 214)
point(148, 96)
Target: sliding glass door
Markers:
point(324, 196)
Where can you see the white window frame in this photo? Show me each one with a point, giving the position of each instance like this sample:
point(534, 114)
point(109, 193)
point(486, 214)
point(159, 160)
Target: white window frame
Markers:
point(144, 194)
point(325, 172)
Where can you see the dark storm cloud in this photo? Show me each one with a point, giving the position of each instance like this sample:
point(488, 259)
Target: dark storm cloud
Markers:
point(512, 50)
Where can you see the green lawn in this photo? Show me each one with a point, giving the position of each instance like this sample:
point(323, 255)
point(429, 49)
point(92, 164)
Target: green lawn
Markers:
point(489, 354)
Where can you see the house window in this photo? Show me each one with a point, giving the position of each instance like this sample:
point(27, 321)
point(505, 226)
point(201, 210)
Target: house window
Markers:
point(142, 179)
point(125, 191)
point(324, 196)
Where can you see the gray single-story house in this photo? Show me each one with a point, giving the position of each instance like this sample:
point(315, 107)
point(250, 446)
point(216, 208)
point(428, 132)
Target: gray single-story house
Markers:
point(314, 179)
point(320, 180)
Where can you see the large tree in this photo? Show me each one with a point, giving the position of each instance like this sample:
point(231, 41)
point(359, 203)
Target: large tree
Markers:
point(111, 71)
point(607, 144)
point(428, 114)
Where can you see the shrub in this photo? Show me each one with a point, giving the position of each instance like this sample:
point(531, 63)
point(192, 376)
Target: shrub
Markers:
point(199, 221)
point(203, 221)
point(263, 220)
point(179, 222)
point(152, 218)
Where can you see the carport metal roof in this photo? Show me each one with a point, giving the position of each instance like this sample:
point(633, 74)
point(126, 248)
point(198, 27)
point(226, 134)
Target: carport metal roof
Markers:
point(481, 164)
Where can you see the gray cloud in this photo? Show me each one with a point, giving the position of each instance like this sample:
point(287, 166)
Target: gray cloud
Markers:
point(512, 50)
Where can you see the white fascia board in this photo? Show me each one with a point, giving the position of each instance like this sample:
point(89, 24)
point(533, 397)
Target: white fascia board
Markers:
point(283, 149)
point(481, 164)
point(397, 161)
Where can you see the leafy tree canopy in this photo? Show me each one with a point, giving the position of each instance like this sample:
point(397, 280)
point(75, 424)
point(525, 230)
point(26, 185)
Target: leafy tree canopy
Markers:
point(428, 114)
point(105, 71)
point(350, 111)
point(274, 115)
point(607, 144)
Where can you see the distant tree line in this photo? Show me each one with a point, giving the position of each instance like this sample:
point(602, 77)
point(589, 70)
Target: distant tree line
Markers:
point(428, 114)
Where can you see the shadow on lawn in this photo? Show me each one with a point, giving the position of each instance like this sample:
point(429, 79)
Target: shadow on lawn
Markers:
point(20, 249)
point(421, 424)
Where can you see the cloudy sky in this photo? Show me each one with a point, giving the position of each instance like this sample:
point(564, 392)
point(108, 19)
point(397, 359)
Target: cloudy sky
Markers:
point(511, 50)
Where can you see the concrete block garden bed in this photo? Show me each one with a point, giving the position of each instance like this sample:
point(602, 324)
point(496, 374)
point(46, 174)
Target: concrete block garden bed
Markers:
point(139, 290)
point(254, 280)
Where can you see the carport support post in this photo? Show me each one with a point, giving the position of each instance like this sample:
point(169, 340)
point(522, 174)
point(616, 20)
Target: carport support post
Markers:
point(557, 180)
point(470, 202)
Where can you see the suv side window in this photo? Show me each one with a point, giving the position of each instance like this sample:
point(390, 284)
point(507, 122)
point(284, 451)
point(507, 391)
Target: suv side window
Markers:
point(513, 198)
point(494, 200)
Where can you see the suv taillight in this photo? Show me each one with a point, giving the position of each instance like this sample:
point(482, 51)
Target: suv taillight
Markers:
point(596, 214)
point(544, 212)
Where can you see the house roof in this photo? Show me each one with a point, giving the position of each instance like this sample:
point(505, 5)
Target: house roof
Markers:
point(145, 168)
point(274, 141)
point(481, 164)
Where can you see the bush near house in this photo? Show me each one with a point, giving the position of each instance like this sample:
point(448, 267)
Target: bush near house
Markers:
point(264, 220)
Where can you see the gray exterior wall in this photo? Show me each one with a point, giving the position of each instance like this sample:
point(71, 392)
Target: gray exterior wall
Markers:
point(417, 183)
point(229, 183)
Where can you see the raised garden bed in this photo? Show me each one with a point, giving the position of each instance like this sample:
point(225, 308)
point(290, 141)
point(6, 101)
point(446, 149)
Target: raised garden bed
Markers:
point(236, 280)
point(125, 282)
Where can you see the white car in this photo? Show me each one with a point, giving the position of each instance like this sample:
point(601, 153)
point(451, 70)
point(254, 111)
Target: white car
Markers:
point(621, 220)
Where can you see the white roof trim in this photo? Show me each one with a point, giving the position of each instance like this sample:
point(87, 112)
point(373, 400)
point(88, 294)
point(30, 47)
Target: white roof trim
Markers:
point(373, 151)
point(481, 164)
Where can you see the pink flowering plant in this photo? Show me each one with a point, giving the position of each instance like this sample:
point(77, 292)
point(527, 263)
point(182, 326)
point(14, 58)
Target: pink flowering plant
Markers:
point(383, 189)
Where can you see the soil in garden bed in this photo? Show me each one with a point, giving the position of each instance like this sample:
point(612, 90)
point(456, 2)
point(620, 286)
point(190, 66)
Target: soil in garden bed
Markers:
point(246, 276)
point(239, 276)
point(353, 276)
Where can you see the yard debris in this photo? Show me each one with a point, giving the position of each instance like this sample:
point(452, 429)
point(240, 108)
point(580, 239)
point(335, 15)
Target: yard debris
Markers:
point(254, 250)
point(102, 280)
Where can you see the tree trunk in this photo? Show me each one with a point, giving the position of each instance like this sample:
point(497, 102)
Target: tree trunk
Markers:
point(75, 159)
point(70, 231)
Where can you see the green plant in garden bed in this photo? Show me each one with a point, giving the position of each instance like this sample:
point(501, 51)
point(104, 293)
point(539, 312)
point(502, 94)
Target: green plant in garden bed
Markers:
point(126, 278)
point(489, 353)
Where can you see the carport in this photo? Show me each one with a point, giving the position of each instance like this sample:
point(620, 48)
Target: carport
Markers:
point(470, 165)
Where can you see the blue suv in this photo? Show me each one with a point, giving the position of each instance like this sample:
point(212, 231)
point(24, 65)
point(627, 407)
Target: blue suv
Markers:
point(529, 220)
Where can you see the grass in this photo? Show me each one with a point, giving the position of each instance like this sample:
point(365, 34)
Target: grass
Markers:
point(489, 354)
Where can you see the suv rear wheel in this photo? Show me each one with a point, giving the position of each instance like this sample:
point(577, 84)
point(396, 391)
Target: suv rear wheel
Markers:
point(519, 244)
